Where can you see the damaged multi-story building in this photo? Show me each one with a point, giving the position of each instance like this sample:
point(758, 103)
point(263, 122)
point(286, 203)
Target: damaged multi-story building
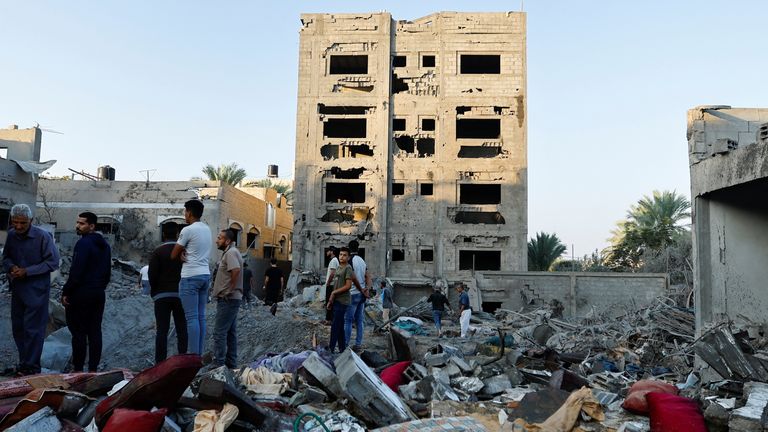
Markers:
point(728, 155)
point(411, 138)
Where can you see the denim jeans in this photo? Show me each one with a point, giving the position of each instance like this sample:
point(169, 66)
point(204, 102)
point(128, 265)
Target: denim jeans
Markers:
point(354, 315)
point(437, 315)
point(193, 292)
point(337, 327)
point(225, 333)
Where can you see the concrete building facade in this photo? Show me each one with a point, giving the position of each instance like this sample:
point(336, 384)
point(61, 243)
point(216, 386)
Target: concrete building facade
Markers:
point(728, 154)
point(412, 138)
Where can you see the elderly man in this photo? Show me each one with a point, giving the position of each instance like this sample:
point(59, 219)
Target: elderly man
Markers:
point(29, 258)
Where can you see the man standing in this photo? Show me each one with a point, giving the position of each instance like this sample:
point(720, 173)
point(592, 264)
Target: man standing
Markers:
point(464, 309)
point(193, 248)
point(386, 300)
point(273, 284)
point(29, 257)
point(339, 301)
point(439, 302)
point(228, 292)
point(144, 280)
point(247, 276)
point(333, 264)
point(359, 293)
point(164, 278)
point(83, 294)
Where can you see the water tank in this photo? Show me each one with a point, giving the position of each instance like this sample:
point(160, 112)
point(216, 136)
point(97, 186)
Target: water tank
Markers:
point(106, 172)
point(272, 171)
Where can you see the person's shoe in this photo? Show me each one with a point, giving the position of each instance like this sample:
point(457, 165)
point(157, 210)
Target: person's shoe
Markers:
point(273, 309)
point(357, 349)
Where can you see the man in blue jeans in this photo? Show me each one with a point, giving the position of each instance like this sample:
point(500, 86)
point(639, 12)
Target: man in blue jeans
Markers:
point(339, 299)
point(359, 292)
point(228, 292)
point(193, 248)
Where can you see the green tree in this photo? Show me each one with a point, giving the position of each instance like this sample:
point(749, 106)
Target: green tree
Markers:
point(543, 251)
point(225, 173)
point(654, 224)
point(281, 188)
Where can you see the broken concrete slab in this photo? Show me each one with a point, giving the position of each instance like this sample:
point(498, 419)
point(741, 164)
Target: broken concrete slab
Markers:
point(538, 406)
point(315, 367)
point(377, 402)
point(749, 418)
point(496, 385)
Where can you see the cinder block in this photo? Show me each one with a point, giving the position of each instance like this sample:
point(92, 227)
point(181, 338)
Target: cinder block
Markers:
point(315, 367)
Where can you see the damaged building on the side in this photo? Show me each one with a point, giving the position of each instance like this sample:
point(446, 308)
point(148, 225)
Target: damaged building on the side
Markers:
point(411, 137)
point(19, 169)
point(728, 150)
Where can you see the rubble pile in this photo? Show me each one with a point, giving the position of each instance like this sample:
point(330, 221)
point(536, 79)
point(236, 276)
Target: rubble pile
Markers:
point(526, 370)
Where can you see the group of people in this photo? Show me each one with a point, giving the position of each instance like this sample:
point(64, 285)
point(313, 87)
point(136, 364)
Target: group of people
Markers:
point(178, 278)
point(29, 258)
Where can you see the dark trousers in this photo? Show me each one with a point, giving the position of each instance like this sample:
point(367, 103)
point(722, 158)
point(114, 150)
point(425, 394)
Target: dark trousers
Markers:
point(272, 296)
point(29, 317)
point(328, 312)
point(84, 322)
point(164, 308)
point(337, 327)
point(225, 333)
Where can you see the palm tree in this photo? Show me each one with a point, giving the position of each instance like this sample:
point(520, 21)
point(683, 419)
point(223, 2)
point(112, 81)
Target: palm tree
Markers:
point(225, 173)
point(281, 188)
point(543, 251)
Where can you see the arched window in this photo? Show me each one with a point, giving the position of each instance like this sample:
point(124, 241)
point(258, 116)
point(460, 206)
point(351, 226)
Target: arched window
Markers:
point(252, 238)
point(237, 228)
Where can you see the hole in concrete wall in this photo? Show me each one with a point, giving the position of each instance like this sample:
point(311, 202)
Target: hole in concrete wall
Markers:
point(5, 216)
point(398, 84)
point(342, 110)
point(426, 189)
point(358, 150)
point(329, 151)
point(467, 239)
point(480, 64)
point(344, 128)
point(428, 61)
point(398, 254)
point(497, 110)
point(347, 174)
point(425, 146)
point(398, 124)
point(426, 255)
point(463, 109)
point(344, 192)
point(478, 128)
point(479, 151)
point(479, 260)
point(479, 193)
point(427, 124)
point(470, 217)
point(491, 307)
point(399, 61)
point(405, 143)
point(398, 188)
point(337, 216)
point(348, 65)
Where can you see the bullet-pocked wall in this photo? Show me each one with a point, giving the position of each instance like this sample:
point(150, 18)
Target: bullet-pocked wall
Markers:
point(411, 138)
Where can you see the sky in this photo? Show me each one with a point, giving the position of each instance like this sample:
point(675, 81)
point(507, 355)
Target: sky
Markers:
point(171, 86)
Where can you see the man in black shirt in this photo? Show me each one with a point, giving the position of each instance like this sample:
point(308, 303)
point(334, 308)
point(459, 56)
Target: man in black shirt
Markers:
point(273, 284)
point(439, 302)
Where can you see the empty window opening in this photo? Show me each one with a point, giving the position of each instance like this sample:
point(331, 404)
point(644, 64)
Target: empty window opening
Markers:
point(348, 174)
point(491, 307)
point(349, 65)
point(478, 128)
point(342, 110)
point(479, 260)
point(357, 150)
point(426, 255)
point(5, 216)
point(398, 84)
point(398, 124)
point(405, 143)
point(480, 64)
point(428, 124)
point(398, 254)
point(329, 151)
point(467, 239)
point(344, 128)
point(425, 189)
point(479, 193)
point(251, 237)
point(398, 188)
point(425, 146)
point(497, 110)
point(479, 151)
point(344, 192)
point(471, 217)
point(463, 109)
point(428, 61)
point(399, 61)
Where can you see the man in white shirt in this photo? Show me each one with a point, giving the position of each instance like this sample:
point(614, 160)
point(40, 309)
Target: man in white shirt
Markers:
point(193, 248)
point(144, 280)
point(331, 253)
